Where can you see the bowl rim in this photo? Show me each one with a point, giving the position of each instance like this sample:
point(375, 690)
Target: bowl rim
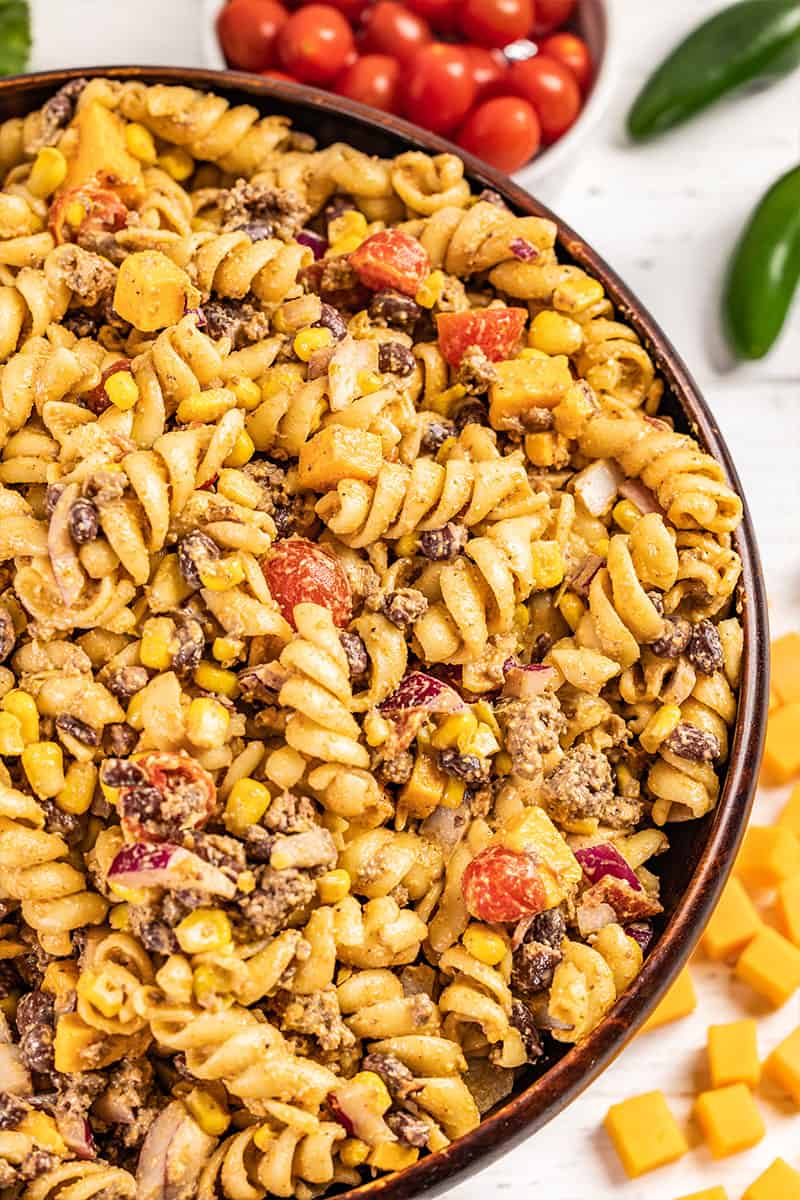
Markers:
point(528, 1111)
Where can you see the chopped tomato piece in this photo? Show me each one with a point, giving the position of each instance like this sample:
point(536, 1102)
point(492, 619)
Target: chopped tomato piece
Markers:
point(391, 259)
point(300, 572)
point(161, 794)
point(495, 331)
point(104, 211)
point(503, 885)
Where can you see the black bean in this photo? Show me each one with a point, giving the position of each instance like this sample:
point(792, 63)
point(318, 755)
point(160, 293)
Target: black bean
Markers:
point(443, 545)
point(404, 607)
point(549, 927)
point(522, 1020)
point(467, 767)
point(36, 1023)
point(223, 318)
point(75, 728)
point(435, 434)
point(52, 497)
point(356, 652)
point(83, 522)
point(674, 640)
point(189, 635)
point(81, 323)
point(257, 231)
point(157, 937)
point(142, 803)
point(332, 319)
point(125, 682)
point(472, 413)
point(412, 1131)
point(696, 745)
point(122, 739)
point(532, 968)
point(705, 648)
point(285, 520)
point(194, 552)
point(12, 1111)
point(8, 634)
point(396, 359)
point(395, 309)
point(119, 772)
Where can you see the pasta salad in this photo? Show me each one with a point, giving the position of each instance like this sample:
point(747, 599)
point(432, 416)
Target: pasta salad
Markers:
point(363, 627)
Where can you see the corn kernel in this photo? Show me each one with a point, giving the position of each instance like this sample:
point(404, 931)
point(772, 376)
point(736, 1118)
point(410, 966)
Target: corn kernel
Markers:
point(215, 679)
point(75, 214)
point(222, 574)
point(226, 650)
point(43, 764)
point(445, 450)
point(484, 712)
point(548, 565)
point(207, 723)
point(208, 983)
point(155, 648)
point(406, 546)
point(503, 763)
point(350, 224)
point(392, 1156)
point(122, 390)
point(446, 401)
point(369, 382)
point(554, 333)
point(246, 804)
point(454, 793)
point(430, 290)
point(333, 886)
point(78, 791)
point(600, 548)
point(577, 293)
point(212, 1117)
point(378, 1092)
point(345, 245)
point(140, 144)
point(128, 894)
point(243, 450)
point(247, 393)
point(456, 730)
point(353, 1152)
point(119, 917)
point(663, 722)
point(11, 740)
point(23, 706)
point(264, 1137)
point(135, 719)
point(485, 945)
point(206, 406)
point(48, 172)
point(626, 514)
point(178, 164)
point(572, 609)
point(246, 882)
point(309, 341)
point(376, 729)
point(204, 930)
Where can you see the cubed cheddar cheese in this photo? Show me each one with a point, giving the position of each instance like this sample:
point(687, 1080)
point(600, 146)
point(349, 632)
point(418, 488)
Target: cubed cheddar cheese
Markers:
point(783, 1065)
point(785, 668)
point(337, 453)
point(733, 924)
point(789, 908)
point(152, 291)
point(771, 965)
point(679, 1001)
point(778, 1182)
point(645, 1133)
point(524, 383)
point(769, 854)
point(782, 747)
point(733, 1054)
point(424, 790)
point(729, 1119)
point(790, 816)
point(714, 1193)
point(100, 155)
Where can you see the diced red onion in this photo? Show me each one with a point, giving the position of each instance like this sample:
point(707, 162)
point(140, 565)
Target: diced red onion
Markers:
point(604, 859)
point(585, 573)
point(316, 243)
point(635, 491)
point(641, 932)
point(523, 250)
point(420, 690)
point(161, 864)
point(592, 918)
point(77, 1133)
point(351, 1106)
point(598, 485)
point(532, 680)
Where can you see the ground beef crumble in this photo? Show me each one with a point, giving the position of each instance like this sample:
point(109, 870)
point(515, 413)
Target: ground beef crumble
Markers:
point(532, 728)
point(582, 787)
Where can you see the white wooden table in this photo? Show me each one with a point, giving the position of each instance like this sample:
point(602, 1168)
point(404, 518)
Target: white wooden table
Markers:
point(665, 217)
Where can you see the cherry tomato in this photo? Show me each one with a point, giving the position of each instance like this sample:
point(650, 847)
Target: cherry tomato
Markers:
point(247, 30)
point(299, 572)
point(495, 330)
point(503, 885)
point(315, 43)
point(573, 53)
point(504, 131)
point(353, 10)
point(373, 79)
point(550, 14)
point(391, 259)
point(442, 14)
point(551, 89)
point(496, 22)
point(103, 208)
point(441, 88)
point(161, 794)
point(393, 29)
point(488, 70)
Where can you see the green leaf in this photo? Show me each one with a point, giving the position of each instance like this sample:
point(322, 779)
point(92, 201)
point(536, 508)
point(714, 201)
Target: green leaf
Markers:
point(15, 36)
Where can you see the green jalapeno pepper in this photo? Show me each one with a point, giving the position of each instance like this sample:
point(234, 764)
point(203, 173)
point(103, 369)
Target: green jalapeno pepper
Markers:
point(764, 271)
point(755, 41)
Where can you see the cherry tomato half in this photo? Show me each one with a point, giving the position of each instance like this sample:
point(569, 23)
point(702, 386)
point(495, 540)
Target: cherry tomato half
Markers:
point(393, 29)
point(301, 572)
point(373, 79)
point(488, 70)
point(247, 31)
point(495, 330)
point(315, 44)
point(442, 14)
point(496, 22)
point(502, 885)
point(391, 258)
point(573, 53)
point(103, 212)
point(441, 88)
point(551, 89)
point(504, 132)
point(550, 14)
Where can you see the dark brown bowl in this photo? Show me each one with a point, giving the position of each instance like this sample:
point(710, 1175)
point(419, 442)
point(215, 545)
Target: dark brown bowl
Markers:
point(702, 852)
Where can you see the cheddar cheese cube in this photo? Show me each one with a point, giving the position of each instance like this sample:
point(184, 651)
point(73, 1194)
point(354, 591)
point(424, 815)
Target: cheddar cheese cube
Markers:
point(782, 747)
point(714, 1193)
point(790, 816)
point(769, 854)
point(783, 1065)
point(733, 923)
point(778, 1182)
point(645, 1133)
point(785, 668)
point(733, 1054)
point(152, 292)
point(336, 453)
point(679, 1001)
point(789, 908)
point(771, 965)
point(729, 1119)
point(528, 383)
